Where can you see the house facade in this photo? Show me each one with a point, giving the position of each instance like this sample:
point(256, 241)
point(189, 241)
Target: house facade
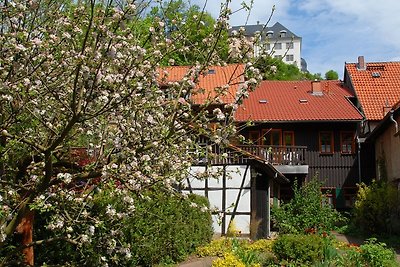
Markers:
point(277, 41)
point(305, 129)
point(386, 139)
point(288, 132)
point(376, 87)
point(236, 182)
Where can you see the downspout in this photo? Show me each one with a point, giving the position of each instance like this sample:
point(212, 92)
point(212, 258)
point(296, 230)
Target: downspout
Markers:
point(268, 234)
point(359, 159)
point(395, 122)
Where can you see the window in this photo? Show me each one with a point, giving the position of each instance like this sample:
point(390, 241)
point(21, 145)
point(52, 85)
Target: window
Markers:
point(288, 138)
point(278, 46)
point(350, 195)
point(289, 57)
point(347, 142)
point(326, 142)
point(272, 137)
point(268, 46)
point(329, 194)
point(289, 46)
point(278, 56)
point(254, 137)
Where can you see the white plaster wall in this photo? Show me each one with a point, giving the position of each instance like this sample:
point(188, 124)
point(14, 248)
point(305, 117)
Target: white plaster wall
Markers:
point(234, 175)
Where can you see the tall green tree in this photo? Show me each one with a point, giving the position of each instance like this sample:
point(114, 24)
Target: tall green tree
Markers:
point(188, 27)
point(276, 69)
point(331, 75)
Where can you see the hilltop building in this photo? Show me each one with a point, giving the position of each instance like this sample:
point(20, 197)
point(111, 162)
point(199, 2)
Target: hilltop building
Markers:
point(278, 41)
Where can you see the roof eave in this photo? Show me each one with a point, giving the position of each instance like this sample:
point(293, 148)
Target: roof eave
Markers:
point(300, 121)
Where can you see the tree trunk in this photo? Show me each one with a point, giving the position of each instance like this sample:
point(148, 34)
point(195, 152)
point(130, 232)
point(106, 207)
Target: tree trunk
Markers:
point(25, 229)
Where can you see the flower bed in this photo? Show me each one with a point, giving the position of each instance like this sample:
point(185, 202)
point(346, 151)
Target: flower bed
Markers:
point(297, 250)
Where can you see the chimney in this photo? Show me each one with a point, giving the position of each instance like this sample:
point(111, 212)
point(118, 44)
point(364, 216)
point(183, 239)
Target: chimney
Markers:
point(386, 108)
point(316, 88)
point(361, 63)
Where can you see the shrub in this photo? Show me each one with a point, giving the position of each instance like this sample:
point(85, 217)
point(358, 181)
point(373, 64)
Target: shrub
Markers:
point(377, 208)
point(377, 254)
point(165, 229)
point(299, 248)
point(306, 211)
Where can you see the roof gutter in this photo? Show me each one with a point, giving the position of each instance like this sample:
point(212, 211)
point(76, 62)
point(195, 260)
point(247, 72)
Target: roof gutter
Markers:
point(395, 122)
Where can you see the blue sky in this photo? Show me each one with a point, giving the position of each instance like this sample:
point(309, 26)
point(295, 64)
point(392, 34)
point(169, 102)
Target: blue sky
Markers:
point(333, 31)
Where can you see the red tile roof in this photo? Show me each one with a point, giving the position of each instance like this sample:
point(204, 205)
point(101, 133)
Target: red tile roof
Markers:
point(216, 77)
point(293, 101)
point(374, 93)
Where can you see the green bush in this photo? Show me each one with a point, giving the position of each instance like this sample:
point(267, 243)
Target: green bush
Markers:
point(306, 211)
point(377, 254)
point(165, 229)
point(169, 228)
point(299, 249)
point(377, 208)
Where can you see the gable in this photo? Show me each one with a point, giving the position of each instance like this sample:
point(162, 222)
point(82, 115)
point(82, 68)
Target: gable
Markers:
point(377, 87)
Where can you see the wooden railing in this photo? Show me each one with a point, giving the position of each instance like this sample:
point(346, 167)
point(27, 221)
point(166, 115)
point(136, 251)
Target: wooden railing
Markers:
point(239, 154)
point(278, 155)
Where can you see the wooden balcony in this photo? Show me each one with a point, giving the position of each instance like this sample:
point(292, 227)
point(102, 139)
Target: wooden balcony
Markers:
point(239, 154)
point(278, 155)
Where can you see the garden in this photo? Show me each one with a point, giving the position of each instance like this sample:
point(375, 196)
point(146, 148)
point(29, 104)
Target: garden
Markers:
point(305, 233)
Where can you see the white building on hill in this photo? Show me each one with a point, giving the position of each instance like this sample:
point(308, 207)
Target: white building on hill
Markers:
point(277, 41)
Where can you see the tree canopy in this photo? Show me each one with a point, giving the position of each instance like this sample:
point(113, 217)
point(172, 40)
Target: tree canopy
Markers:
point(331, 75)
point(189, 28)
point(276, 69)
point(81, 106)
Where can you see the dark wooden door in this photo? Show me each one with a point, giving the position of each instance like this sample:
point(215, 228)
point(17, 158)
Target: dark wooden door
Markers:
point(260, 206)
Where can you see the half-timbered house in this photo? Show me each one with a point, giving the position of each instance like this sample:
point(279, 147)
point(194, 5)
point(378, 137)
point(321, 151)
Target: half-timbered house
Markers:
point(237, 182)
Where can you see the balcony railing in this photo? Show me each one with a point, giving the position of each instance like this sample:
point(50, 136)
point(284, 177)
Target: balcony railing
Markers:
point(239, 154)
point(278, 155)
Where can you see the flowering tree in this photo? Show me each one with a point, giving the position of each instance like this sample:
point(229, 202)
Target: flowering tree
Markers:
point(85, 74)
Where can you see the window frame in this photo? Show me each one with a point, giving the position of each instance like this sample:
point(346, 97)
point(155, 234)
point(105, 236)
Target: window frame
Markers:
point(258, 141)
point(278, 46)
point(284, 138)
point(289, 57)
point(342, 133)
point(289, 45)
point(330, 194)
point(332, 143)
point(266, 132)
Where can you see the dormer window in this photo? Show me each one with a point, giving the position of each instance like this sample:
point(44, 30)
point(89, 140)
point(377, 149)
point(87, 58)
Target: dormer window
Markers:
point(283, 33)
point(270, 33)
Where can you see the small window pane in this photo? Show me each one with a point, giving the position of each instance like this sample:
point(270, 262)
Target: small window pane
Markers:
point(326, 142)
point(347, 142)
